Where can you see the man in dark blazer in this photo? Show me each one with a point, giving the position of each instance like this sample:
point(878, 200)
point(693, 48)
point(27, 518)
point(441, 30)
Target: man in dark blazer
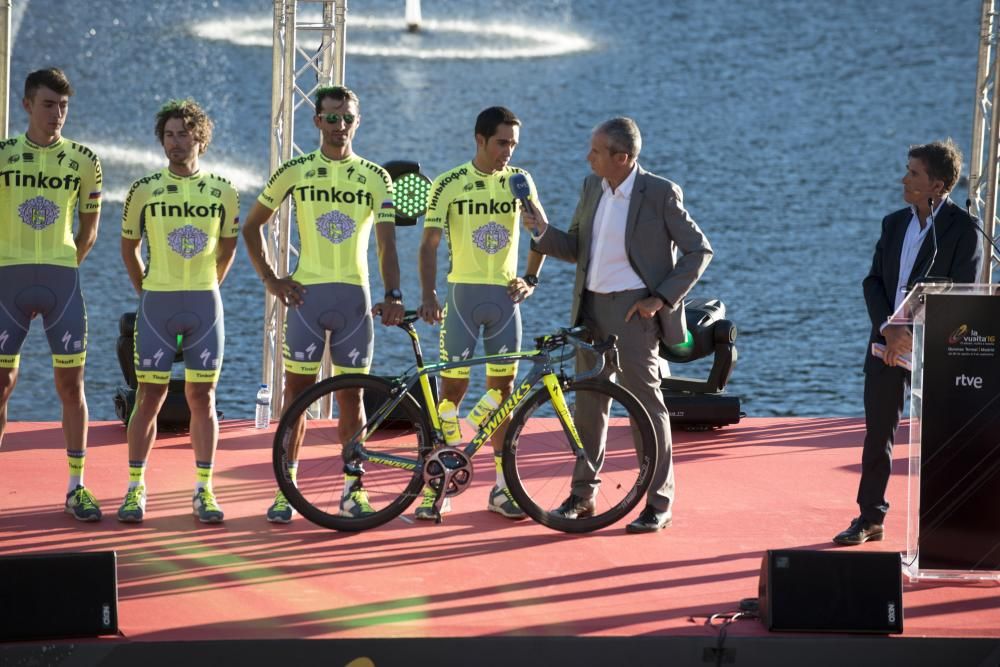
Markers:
point(628, 227)
point(905, 254)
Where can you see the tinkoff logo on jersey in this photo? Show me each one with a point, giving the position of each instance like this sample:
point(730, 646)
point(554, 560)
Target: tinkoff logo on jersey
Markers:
point(184, 210)
point(187, 241)
point(491, 237)
point(491, 207)
point(38, 213)
point(15, 178)
point(333, 195)
point(335, 226)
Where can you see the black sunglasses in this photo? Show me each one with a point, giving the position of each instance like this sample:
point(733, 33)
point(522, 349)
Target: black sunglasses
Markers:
point(334, 118)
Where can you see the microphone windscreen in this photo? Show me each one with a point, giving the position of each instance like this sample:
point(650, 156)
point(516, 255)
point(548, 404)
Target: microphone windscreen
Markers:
point(519, 186)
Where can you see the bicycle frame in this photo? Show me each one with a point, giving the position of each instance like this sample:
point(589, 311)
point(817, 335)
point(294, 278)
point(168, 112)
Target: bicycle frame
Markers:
point(419, 374)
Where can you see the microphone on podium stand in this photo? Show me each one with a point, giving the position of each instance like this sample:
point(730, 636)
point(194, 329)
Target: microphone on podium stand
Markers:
point(968, 209)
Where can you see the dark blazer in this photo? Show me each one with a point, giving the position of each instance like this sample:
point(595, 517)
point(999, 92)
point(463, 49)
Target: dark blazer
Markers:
point(657, 226)
point(959, 257)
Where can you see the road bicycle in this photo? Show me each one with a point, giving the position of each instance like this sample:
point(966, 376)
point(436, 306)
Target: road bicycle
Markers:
point(399, 447)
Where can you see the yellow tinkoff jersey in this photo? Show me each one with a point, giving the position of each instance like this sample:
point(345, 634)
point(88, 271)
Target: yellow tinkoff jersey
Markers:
point(40, 187)
point(183, 218)
point(480, 218)
point(336, 204)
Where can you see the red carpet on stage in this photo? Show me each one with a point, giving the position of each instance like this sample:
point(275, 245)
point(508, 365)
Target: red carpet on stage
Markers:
point(764, 484)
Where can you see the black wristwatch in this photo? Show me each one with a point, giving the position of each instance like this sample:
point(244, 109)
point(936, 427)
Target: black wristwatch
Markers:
point(394, 294)
point(531, 279)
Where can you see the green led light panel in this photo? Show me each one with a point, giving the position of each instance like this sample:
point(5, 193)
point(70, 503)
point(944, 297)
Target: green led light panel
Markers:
point(411, 192)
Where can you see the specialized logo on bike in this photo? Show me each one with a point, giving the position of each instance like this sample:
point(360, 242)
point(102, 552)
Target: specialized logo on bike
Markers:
point(335, 226)
point(38, 213)
point(491, 237)
point(187, 241)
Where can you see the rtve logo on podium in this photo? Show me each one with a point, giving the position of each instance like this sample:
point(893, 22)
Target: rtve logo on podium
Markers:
point(974, 381)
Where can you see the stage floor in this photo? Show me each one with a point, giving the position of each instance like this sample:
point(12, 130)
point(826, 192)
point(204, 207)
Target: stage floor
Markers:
point(764, 484)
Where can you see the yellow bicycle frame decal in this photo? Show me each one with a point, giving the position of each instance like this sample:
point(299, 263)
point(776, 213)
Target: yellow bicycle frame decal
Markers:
point(559, 403)
point(425, 388)
point(500, 415)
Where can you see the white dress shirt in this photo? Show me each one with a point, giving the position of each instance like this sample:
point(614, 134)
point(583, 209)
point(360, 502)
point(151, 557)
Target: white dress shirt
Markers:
point(912, 241)
point(609, 269)
point(911, 247)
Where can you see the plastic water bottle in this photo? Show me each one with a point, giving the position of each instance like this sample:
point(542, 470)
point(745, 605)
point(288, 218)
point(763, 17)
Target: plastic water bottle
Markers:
point(484, 408)
point(448, 413)
point(263, 413)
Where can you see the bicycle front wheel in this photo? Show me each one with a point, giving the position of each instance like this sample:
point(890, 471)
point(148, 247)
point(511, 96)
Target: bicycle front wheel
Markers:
point(542, 470)
point(386, 453)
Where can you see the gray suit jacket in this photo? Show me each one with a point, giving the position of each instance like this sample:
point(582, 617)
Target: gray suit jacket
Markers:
point(658, 225)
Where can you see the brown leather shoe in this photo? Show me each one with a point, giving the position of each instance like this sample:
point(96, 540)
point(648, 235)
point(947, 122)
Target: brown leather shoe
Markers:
point(650, 520)
point(575, 507)
point(859, 532)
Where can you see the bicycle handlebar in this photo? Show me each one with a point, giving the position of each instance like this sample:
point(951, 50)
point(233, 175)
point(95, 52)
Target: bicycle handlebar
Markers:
point(572, 339)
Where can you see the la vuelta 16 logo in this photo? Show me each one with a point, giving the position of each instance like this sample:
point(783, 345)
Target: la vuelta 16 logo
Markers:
point(965, 341)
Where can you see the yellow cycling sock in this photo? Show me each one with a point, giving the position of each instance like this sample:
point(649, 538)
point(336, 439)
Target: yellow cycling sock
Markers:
point(75, 459)
point(204, 476)
point(349, 481)
point(136, 474)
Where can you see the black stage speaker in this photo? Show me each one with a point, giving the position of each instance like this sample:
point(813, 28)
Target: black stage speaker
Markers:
point(831, 591)
point(48, 596)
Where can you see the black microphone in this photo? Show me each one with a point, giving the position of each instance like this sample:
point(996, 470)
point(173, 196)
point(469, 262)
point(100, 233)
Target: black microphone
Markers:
point(930, 218)
point(521, 190)
point(927, 277)
point(968, 209)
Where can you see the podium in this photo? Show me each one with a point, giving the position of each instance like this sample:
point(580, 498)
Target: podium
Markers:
point(953, 487)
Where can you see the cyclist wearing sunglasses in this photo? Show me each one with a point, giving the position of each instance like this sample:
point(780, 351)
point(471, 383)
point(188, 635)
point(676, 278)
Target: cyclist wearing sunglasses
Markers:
point(473, 206)
point(339, 197)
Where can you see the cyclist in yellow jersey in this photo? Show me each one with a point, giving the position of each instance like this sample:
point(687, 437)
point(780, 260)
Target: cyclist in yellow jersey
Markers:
point(190, 220)
point(472, 204)
point(44, 177)
point(338, 197)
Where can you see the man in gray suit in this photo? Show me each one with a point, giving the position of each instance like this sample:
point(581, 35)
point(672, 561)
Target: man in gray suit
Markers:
point(624, 237)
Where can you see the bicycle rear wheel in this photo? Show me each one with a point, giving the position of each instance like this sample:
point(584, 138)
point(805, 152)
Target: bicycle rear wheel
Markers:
point(389, 456)
point(540, 465)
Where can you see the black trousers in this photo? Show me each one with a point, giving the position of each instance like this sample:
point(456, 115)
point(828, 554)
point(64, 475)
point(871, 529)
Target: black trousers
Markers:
point(885, 392)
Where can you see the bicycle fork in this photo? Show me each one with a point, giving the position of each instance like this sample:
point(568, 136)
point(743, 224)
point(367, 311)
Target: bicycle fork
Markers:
point(565, 418)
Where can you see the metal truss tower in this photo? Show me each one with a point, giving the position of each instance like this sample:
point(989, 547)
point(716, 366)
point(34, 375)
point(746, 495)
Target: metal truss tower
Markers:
point(298, 70)
point(985, 131)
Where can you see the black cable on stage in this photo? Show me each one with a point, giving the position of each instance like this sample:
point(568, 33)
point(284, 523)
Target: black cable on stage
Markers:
point(749, 609)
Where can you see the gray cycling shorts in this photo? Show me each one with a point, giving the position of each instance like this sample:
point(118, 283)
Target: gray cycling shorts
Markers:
point(343, 310)
point(195, 317)
point(28, 290)
point(472, 310)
